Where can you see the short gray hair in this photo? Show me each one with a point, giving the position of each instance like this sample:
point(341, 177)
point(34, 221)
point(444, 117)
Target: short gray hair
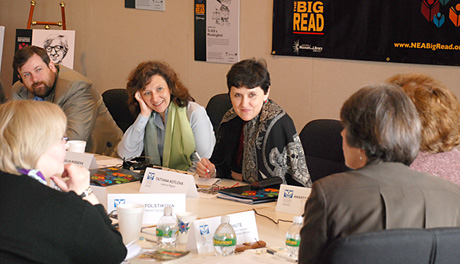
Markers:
point(383, 121)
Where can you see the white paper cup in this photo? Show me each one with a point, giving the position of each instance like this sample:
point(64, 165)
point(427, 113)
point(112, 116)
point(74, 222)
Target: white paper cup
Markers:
point(130, 221)
point(77, 146)
point(184, 220)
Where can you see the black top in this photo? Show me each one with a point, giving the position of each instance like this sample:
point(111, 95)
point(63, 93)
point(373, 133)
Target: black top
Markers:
point(41, 225)
point(271, 147)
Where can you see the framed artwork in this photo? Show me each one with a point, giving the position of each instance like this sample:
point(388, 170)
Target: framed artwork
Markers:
point(59, 44)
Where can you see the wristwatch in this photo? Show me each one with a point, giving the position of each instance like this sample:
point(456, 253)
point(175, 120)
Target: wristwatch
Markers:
point(86, 192)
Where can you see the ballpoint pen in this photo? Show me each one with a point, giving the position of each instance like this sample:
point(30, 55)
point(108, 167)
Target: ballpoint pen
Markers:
point(281, 255)
point(199, 158)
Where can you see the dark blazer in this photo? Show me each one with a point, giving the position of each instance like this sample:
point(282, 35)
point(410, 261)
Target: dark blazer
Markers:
point(376, 197)
point(42, 225)
point(87, 116)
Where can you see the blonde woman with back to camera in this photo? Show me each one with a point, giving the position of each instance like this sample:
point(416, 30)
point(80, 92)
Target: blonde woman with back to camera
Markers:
point(40, 224)
point(439, 111)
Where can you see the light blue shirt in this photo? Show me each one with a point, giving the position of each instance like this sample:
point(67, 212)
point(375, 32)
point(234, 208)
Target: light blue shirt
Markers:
point(132, 143)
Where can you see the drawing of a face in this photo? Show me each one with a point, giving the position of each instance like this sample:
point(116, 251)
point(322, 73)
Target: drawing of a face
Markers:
point(226, 2)
point(56, 46)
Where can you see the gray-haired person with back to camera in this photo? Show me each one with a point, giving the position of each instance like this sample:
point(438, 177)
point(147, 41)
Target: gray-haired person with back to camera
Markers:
point(381, 138)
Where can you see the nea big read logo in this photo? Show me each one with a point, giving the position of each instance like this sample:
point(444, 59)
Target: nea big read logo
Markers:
point(440, 11)
point(308, 17)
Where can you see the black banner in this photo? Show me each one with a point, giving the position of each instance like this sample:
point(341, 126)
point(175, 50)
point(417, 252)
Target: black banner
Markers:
point(200, 30)
point(409, 31)
point(23, 39)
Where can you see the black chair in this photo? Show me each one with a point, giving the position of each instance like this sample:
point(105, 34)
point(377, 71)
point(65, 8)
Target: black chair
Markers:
point(322, 144)
point(217, 106)
point(116, 101)
point(397, 246)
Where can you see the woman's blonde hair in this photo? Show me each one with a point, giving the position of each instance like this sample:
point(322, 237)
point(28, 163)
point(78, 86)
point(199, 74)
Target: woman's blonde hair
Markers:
point(438, 108)
point(27, 130)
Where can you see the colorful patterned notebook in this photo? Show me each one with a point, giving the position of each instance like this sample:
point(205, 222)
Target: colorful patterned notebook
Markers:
point(246, 194)
point(113, 175)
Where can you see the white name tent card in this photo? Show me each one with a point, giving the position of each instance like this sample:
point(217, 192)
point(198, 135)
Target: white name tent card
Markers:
point(85, 160)
point(201, 232)
point(291, 199)
point(162, 181)
point(154, 203)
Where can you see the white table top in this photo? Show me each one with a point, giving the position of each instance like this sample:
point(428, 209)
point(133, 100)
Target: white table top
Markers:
point(210, 206)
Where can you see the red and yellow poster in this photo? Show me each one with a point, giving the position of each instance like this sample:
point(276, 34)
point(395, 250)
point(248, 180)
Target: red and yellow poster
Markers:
point(408, 31)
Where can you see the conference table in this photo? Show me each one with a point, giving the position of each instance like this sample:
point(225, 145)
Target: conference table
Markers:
point(207, 205)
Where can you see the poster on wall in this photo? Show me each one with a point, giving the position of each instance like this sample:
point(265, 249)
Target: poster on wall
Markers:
point(217, 24)
point(407, 31)
point(2, 37)
point(59, 44)
point(155, 5)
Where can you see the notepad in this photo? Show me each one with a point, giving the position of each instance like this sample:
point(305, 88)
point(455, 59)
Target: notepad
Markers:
point(113, 175)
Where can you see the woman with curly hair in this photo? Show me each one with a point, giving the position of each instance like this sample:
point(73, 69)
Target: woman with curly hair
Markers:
point(170, 126)
point(439, 111)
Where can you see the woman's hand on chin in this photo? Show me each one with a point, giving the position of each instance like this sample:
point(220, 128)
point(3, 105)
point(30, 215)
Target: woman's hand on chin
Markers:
point(75, 178)
point(145, 110)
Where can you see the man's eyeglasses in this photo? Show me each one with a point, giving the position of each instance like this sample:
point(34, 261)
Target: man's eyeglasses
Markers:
point(56, 48)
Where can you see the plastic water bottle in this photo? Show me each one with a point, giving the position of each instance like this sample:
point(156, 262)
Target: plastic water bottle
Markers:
point(167, 229)
point(293, 237)
point(224, 238)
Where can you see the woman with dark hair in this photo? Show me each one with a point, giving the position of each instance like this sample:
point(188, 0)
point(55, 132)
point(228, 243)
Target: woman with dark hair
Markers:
point(439, 112)
point(381, 138)
point(256, 138)
point(170, 126)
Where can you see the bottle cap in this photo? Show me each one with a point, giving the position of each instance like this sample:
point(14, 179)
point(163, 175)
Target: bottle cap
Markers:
point(298, 219)
point(167, 210)
point(225, 219)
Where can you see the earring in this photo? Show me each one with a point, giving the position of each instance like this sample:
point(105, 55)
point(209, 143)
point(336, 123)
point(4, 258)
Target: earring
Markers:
point(265, 100)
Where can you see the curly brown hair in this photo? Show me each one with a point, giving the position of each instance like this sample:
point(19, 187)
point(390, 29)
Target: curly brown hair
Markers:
point(438, 108)
point(140, 77)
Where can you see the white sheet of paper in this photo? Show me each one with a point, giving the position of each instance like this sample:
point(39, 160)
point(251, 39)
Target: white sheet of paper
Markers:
point(291, 199)
point(162, 181)
point(85, 160)
point(205, 181)
point(154, 203)
point(202, 231)
point(156, 5)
